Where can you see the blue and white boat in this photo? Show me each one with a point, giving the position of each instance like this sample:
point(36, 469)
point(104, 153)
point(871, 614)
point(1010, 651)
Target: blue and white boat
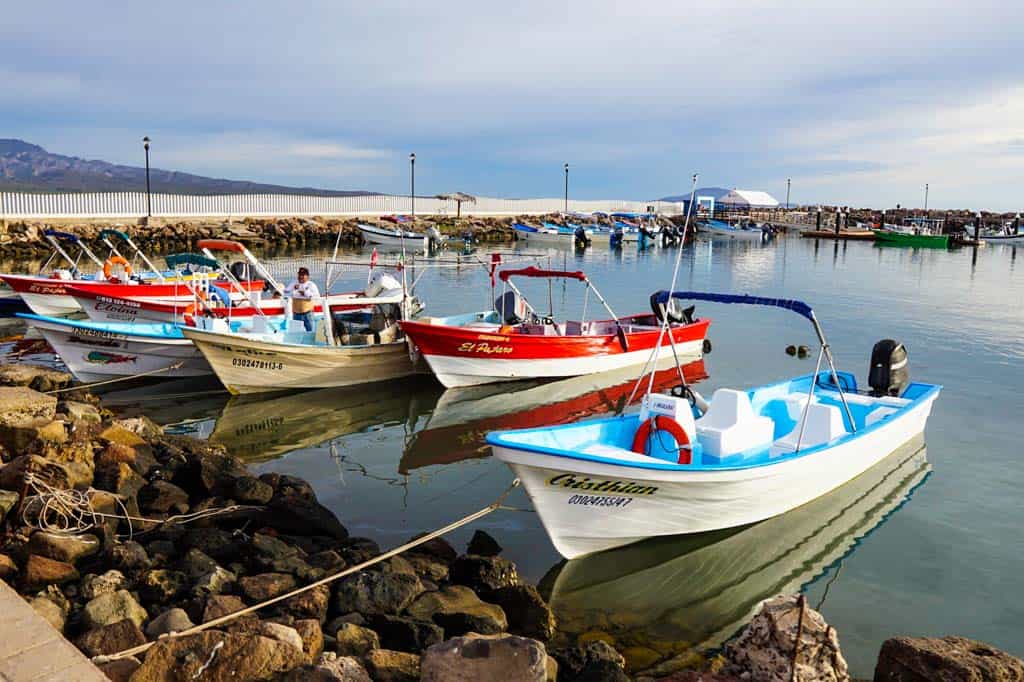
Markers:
point(677, 468)
point(742, 230)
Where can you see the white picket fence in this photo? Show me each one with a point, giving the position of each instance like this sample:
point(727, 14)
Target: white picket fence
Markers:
point(133, 205)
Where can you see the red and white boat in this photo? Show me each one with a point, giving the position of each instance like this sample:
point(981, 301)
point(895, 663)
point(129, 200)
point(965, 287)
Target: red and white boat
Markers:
point(513, 342)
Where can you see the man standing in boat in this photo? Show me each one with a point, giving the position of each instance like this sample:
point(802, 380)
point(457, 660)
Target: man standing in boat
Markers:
point(303, 293)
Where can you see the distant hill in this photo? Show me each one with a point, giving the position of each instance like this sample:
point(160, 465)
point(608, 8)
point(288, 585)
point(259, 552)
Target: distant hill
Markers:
point(26, 167)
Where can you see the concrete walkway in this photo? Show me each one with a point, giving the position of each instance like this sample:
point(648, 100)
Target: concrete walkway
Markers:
point(30, 649)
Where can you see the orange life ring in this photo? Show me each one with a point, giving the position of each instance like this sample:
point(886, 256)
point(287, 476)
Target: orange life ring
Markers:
point(108, 266)
point(663, 423)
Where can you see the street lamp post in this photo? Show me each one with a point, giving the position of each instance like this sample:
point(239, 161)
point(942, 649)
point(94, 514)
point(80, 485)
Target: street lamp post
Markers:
point(566, 188)
point(412, 182)
point(788, 182)
point(149, 203)
point(926, 198)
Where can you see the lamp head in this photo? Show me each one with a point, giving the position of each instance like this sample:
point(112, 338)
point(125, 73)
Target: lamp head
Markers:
point(145, 142)
point(412, 157)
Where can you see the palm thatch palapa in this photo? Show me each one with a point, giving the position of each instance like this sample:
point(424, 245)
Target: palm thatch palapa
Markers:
point(458, 198)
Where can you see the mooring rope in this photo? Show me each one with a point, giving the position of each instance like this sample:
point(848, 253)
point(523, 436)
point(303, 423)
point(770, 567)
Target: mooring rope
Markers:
point(72, 512)
point(497, 504)
point(79, 387)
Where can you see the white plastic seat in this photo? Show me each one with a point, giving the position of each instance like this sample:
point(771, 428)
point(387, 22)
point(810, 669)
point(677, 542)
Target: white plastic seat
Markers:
point(730, 426)
point(824, 424)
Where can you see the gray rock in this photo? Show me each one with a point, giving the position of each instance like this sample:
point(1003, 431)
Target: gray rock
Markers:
point(217, 581)
point(309, 604)
point(160, 585)
point(765, 647)
point(251, 490)
point(218, 605)
point(392, 666)
point(355, 640)
point(911, 659)
point(482, 574)
point(330, 668)
point(528, 614)
point(405, 634)
point(269, 547)
point(281, 633)
point(128, 556)
point(458, 610)
point(37, 377)
point(107, 583)
point(163, 497)
point(110, 639)
point(372, 592)
point(594, 660)
point(238, 657)
point(81, 412)
point(112, 607)
point(483, 544)
point(171, 620)
point(196, 564)
point(477, 657)
point(265, 586)
point(67, 548)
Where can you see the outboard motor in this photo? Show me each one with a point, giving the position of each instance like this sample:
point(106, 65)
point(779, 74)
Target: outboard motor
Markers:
point(580, 237)
point(511, 307)
point(381, 284)
point(434, 237)
point(615, 238)
point(241, 270)
point(889, 373)
point(677, 314)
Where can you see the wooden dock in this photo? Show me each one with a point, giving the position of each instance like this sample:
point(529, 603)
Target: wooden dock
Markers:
point(31, 649)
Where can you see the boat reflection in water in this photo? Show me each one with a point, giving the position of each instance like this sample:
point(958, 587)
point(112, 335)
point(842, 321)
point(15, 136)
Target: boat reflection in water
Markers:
point(462, 417)
point(259, 428)
point(663, 596)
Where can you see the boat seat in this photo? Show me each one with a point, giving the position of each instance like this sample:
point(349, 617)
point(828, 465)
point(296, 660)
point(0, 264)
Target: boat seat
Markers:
point(731, 427)
point(824, 424)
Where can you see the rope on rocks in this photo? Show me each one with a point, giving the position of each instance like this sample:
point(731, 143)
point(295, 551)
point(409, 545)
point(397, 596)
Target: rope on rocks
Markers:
point(71, 512)
point(79, 387)
point(497, 504)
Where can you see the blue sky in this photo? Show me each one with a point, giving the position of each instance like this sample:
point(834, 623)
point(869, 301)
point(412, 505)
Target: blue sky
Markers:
point(859, 105)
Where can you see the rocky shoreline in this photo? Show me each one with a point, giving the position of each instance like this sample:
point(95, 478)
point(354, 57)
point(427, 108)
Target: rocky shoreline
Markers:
point(185, 535)
point(23, 239)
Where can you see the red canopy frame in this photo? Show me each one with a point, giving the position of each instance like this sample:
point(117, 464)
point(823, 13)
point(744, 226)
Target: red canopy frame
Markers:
point(221, 245)
point(533, 271)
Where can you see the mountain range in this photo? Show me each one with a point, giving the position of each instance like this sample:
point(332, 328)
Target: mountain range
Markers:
point(26, 167)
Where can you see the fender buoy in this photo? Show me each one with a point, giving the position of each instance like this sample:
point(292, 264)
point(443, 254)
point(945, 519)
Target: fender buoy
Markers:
point(108, 266)
point(663, 423)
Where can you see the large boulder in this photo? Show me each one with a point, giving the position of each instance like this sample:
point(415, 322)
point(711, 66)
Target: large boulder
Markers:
point(160, 585)
point(330, 668)
point(264, 586)
point(226, 657)
point(392, 666)
point(370, 592)
point(312, 603)
point(765, 647)
point(483, 544)
point(482, 657)
point(171, 620)
point(282, 633)
point(107, 583)
point(111, 608)
point(296, 514)
point(163, 497)
point(458, 610)
point(528, 614)
point(483, 574)
point(13, 474)
point(312, 637)
point(913, 659)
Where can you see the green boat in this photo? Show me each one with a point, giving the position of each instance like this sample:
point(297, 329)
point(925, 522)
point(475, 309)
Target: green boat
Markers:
point(937, 241)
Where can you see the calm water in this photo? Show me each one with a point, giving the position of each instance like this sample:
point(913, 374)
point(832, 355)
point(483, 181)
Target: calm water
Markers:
point(929, 543)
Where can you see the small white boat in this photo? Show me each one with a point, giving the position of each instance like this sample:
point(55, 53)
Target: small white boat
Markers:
point(720, 228)
point(396, 237)
point(748, 456)
point(94, 351)
point(541, 235)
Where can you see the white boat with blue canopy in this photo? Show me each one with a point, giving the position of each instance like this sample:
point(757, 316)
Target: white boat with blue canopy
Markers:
point(741, 230)
point(685, 466)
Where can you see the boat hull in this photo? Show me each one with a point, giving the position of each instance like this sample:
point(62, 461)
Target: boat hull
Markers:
point(462, 356)
point(390, 238)
point(93, 355)
point(937, 241)
point(252, 365)
point(638, 503)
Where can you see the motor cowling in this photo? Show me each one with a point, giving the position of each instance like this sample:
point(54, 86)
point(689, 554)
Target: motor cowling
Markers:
point(511, 307)
point(889, 373)
point(381, 284)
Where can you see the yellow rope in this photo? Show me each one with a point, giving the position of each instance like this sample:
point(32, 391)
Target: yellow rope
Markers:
point(497, 504)
point(111, 381)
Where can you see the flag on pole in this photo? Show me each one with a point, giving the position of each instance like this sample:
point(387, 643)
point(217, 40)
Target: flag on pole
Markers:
point(373, 257)
point(495, 261)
